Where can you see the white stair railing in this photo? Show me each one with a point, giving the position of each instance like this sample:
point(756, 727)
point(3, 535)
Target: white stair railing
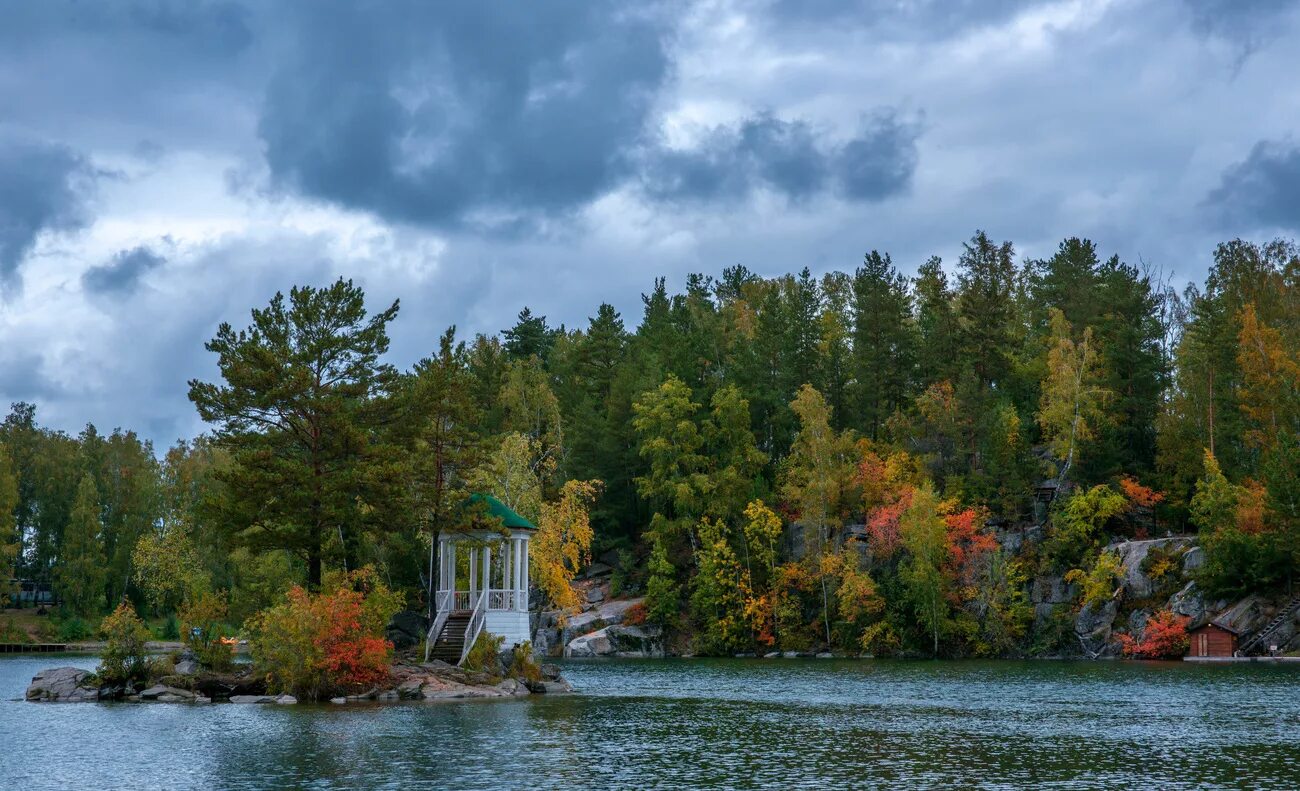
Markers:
point(475, 625)
point(439, 621)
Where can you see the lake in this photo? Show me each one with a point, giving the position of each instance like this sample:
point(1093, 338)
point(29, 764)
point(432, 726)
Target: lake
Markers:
point(700, 724)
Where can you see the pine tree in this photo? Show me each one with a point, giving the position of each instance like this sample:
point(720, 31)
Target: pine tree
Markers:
point(530, 337)
point(986, 310)
point(883, 342)
point(936, 324)
point(442, 444)
point(297, 411)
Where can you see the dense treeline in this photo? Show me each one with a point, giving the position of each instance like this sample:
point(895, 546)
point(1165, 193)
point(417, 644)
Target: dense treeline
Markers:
point(789, 461)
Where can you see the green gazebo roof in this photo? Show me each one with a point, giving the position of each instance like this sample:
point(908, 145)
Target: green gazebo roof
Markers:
point(508, 516)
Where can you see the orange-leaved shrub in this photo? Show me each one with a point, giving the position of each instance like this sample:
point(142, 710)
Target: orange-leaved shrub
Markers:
point(1163, 637)
point(315, 645)
point(635, 615)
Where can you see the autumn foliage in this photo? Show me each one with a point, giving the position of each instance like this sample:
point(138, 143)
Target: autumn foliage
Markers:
point(315, 645)
point(1163, 637)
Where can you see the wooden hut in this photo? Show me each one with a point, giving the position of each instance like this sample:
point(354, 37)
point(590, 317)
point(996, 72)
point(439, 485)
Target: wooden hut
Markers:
point(1213, 639)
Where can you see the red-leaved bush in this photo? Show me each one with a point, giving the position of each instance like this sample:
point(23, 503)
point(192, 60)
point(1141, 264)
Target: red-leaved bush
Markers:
point(315, 645)
point(1163, 637)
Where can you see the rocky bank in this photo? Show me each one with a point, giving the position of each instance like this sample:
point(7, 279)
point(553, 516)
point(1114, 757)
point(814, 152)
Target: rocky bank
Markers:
point(408, 681)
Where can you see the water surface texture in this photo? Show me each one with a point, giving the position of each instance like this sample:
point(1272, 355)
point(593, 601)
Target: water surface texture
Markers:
point(700, 724)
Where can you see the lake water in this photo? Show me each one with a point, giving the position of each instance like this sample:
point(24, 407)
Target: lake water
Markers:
point(700, 724)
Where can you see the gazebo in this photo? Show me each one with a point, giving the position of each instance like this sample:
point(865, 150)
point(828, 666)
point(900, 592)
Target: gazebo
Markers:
point(493, 596)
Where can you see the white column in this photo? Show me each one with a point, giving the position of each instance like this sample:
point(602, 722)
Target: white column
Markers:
point(517, 581)
point(487, 568)
point(524, 596)
point(473, 573)
point(449, 563)
point(505, 565)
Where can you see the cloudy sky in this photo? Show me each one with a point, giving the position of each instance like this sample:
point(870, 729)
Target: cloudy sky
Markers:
point(165, 166)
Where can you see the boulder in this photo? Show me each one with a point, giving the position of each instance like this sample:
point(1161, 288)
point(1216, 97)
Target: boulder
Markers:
point(186, 667)
point(62, 685)
point(165, 694)
point(549, 687)
point(596, 595)
point(252, 698)
point(286, 700)
point(338, 701)
point(618, 640)
point(407, 628)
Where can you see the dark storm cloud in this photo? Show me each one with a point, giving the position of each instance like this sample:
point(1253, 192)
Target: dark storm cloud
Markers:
point(785, 157)
point(454, 114)
point(122, 272)
point(22, 377)
point(917, 19)
point(1263, 191)
point(43, 186)
point(1246, 23)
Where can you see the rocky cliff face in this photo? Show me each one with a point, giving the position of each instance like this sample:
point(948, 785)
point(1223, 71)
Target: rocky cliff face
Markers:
point(600, 628)
point(1156, 574)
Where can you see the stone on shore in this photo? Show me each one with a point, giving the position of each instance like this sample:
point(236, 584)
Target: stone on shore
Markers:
point(165, 694)
point(253, 699)
point(62, 685)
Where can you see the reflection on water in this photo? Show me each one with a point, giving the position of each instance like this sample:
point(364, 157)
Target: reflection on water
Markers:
point(701, 723)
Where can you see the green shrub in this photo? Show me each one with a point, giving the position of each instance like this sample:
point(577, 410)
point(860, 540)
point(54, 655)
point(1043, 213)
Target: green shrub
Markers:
point(483, 656)
point(125, 635)
point(523, 665)
point(72, 629)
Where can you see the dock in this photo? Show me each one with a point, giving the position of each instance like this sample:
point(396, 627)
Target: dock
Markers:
point(33, 648)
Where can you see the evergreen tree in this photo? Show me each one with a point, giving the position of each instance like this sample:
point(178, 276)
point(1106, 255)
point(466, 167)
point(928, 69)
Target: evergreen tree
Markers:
point(440, 427)
point(297, 413)
point(530, 337)
point(986, 310)
point(936, 323)
point(883, 342)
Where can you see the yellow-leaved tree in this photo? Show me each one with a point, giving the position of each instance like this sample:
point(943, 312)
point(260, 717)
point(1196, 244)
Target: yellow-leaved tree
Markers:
point(562, 545)
point(1070, 408)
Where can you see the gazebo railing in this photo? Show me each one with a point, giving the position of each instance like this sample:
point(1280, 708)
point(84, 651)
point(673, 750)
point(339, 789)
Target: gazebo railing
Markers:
point(502, 599)
point(498, 599)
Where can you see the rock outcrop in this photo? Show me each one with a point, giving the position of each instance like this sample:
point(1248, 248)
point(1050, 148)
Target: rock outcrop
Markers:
point(550, 637)
point(62, 685)
point(406, 629)
point(618, 640)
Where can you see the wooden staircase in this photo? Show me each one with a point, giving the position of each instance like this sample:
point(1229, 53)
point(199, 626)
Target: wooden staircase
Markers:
point(1283, 615)
point(450, 642)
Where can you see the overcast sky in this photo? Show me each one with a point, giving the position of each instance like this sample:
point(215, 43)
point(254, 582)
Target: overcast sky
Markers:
point(165, 166)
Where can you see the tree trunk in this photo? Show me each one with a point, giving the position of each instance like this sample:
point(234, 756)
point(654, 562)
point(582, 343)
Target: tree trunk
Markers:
point(314, 561)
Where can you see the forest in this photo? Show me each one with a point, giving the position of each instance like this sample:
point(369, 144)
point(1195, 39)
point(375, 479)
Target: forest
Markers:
point(788, 462)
